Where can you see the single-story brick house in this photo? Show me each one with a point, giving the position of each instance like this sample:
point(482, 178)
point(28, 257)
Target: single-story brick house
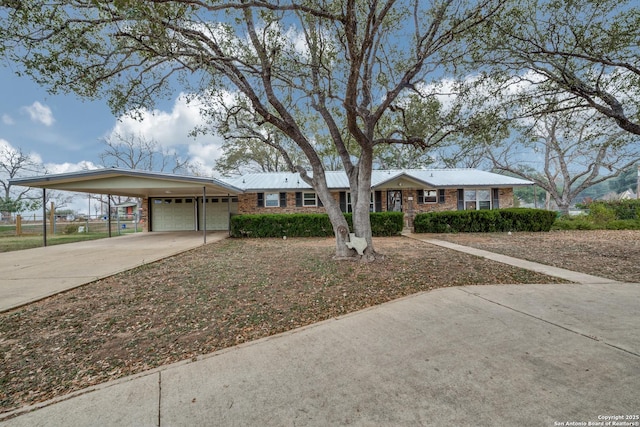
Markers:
point(175, 202)
point(410, 191)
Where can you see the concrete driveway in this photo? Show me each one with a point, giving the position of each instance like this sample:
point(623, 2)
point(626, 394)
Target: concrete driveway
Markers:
point(33, 274)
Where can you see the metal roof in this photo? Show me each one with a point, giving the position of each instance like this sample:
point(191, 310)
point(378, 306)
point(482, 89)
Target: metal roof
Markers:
point(132, 183)
point(135, 183)
point(433, 178)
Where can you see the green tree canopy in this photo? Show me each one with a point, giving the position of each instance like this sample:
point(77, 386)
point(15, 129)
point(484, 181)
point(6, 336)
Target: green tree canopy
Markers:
point(345, 64)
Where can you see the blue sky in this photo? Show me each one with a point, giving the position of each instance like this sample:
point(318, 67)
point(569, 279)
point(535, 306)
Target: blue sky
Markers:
point(64, 132)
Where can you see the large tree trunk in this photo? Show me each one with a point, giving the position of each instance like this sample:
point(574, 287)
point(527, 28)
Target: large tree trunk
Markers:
point(361, 208)
point(338, 221)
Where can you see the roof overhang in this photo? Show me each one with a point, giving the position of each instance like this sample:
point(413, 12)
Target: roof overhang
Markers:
point(129, 183)
point(399, 180)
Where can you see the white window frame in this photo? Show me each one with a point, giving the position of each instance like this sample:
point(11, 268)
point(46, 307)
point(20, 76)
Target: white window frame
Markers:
point(310, 202)
point(427, 193)
point(269, 203)
point(476, 202)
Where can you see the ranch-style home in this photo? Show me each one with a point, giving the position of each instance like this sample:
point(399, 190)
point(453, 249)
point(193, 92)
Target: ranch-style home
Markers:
point(181, 203)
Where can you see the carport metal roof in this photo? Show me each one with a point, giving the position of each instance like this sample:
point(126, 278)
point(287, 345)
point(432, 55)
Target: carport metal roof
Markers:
point(129, 183)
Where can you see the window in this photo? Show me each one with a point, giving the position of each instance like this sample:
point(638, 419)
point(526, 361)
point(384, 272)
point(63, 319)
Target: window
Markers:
point(272, 200)
point(477, 199)
point(309, 199)
point(484, 199)
point(430, 196)
point(345, 202)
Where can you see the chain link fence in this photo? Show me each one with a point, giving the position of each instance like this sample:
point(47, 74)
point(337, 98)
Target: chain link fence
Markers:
point(32, 225)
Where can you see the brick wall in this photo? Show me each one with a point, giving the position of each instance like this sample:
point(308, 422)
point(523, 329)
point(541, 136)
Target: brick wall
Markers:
point(248, 203)
point(144, 214)
point(506, 197)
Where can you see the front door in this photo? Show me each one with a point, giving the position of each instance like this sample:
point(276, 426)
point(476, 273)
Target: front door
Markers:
point(394, 201)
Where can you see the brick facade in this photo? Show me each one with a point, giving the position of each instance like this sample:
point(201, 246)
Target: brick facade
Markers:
point(248, 203)
point(144, 214)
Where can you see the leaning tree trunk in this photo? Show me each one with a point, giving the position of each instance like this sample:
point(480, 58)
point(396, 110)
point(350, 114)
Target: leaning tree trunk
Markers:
point(332, 207)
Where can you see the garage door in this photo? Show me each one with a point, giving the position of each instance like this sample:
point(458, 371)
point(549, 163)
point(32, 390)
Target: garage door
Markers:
point(218, 209)
point(173, 214)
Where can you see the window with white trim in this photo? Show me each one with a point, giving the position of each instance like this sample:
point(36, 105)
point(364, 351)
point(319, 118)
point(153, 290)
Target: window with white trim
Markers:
point(272, 200)
point(309, 199)
point(430, 196)
point(477, 199)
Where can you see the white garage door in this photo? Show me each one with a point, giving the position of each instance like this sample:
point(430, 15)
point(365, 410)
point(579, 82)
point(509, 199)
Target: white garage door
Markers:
point(173, 214)
point(218, 209)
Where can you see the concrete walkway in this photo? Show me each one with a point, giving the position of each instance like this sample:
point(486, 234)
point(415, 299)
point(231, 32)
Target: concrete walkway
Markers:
point(33, 274)
point(572, 276)
point(534, 355)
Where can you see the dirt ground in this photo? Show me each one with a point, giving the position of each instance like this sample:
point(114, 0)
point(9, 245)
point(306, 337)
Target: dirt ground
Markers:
point(614, 254)
point(239, 290)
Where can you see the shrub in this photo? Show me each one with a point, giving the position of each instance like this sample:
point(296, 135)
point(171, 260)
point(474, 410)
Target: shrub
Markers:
point(512, 219)
point(308, 225)
point(623, 224)
point(70, 229)
point(600, 213)
point(573, 223)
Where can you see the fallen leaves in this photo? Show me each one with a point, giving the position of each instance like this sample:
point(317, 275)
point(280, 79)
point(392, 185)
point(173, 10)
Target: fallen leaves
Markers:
point(213, 297)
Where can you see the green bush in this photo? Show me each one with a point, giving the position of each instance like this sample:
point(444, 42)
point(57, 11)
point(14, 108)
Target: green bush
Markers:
point(512, 219)
point(70, 229)
point(600, 213)
point(308, 225)
point(573, 223)
point(623, 224)
point(618, 209)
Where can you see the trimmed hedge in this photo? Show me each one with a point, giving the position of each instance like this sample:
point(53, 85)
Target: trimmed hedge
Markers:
point(483, 221)
point(308, 225)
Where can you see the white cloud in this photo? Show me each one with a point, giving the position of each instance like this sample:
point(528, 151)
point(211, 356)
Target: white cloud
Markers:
point(54, 168)
point(206, 154)
point(170, 129)
point(40, 113)
point(7, 120)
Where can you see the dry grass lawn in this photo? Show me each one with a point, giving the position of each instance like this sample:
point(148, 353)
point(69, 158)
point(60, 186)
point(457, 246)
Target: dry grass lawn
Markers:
point(234, 291)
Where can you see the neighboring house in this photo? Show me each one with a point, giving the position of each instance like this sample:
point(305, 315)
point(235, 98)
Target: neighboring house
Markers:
point(613, 196)
point(126, 210)
point(627, 195)
point(175, 202)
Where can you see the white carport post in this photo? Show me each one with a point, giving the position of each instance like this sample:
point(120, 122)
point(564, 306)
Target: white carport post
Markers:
point(229, 214)
point(204, 214)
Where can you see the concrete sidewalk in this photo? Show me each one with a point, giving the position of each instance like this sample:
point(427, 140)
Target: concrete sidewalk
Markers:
point(528, 355)
point(572, 276)
point(33, 274)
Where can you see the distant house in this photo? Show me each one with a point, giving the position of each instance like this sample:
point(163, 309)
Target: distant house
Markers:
point(179, 203)
point(126, 209)
point(613, 196)
point(627, 195)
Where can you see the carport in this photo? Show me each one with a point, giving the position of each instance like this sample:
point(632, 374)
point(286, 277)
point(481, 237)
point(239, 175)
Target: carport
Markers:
point(170, 202)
